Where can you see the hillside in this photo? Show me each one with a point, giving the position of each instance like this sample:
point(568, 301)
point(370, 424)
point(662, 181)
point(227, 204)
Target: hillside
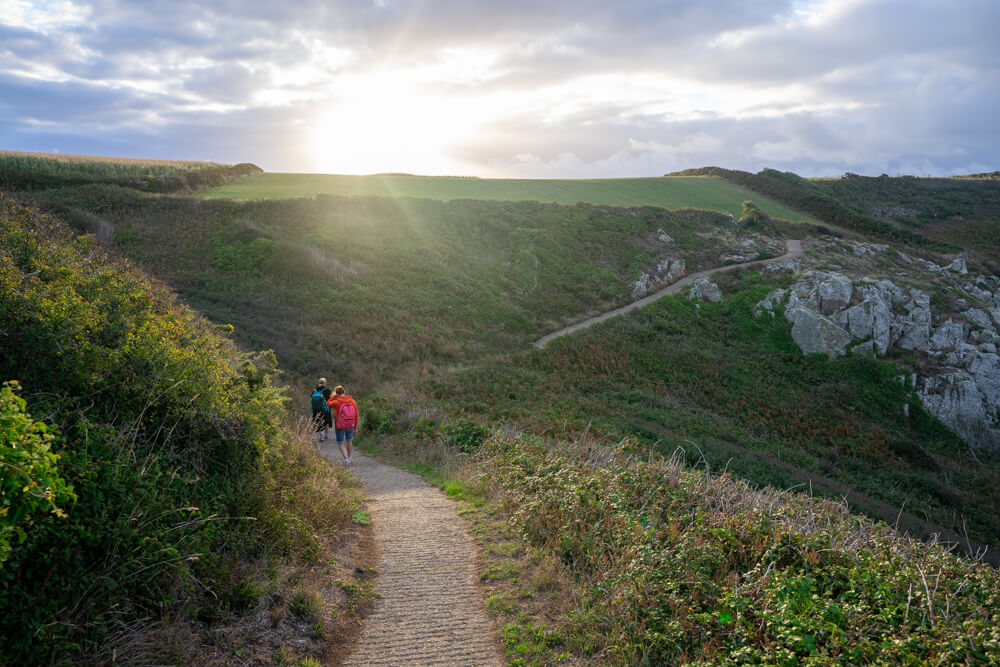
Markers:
point(150, 484)
point(428, 308)
point(707, 193)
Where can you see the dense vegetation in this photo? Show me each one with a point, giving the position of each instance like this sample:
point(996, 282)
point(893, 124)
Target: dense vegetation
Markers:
point(362, 286)
point(143, 455)
point(810, 197)
point(433, 304)
point(27, 172)
point(600, 555)
point(734, 392)
point(963, 211)
point(712, 194)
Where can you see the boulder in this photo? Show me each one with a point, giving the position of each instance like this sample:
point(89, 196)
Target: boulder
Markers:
point(979, 318)
point(663, 236)
point(814, 333)
point(869, 319)
point(958, 266)
point(948, 335)
point(784, 265)
point(913, 331)
point(704, 289)
point(966, 401)
point(834, 293)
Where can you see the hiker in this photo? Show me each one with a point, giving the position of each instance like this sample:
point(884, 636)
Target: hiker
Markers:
point(345, 420)
point(320, 410)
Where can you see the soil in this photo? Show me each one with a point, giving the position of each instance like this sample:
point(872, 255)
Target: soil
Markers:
point(429, 610)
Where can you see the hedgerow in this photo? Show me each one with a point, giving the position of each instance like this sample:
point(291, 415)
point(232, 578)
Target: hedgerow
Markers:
point(169, 437)
point(676, 566)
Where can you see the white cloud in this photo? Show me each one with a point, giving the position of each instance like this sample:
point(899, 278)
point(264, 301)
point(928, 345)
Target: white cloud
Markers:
point(521, 87)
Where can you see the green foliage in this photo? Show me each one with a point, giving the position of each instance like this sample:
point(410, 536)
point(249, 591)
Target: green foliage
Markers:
point(675, 373)
point(242, 259)
point(464, 434)
point(165, 426)
point(379, 415)
point(244, 595)
point(26, 172)
point(813, 199)
point(752, 216)
point(307, 604)
point(680, 567)
point(30, 483)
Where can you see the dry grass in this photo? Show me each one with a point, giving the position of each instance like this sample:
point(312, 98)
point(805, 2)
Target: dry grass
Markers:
point(277, 607)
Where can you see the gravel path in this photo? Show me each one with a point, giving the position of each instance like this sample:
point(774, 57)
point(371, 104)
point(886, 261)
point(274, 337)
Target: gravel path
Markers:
point(794, 252)
point(430, 610)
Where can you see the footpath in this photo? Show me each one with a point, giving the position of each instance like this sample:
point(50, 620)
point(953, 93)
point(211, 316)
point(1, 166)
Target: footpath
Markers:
point(430, 610)
point(794, 251)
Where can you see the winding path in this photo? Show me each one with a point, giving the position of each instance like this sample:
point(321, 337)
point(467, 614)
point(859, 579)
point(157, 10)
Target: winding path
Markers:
point(430, 609)
point(794, 251)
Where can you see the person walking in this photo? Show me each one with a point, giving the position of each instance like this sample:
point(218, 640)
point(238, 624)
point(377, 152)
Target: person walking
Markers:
point(320, 410)
point(345, 420)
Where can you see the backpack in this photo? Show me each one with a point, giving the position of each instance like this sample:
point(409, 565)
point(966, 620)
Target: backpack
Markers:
point(318, 402)
point(347, 416)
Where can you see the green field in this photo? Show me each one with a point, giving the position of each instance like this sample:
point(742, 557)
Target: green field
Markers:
point(709, 193)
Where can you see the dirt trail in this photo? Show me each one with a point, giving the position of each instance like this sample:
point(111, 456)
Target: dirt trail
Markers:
point(794, 252)
point(430, 610)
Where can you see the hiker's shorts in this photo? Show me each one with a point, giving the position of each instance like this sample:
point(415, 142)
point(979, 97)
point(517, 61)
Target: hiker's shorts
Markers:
point(343, 433)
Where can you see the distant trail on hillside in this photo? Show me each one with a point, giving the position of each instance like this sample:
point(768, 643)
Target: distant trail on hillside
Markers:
point(794, 247)
point(430, 610)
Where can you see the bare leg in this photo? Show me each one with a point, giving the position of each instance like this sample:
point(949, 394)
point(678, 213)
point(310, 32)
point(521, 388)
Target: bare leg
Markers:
point(345, 449)
point(350, 448)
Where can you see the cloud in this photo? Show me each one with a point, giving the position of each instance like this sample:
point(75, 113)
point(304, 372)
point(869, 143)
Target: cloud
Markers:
point(585, 86)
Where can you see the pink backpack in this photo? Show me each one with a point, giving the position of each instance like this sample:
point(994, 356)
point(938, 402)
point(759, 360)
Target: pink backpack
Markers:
point(347, 416)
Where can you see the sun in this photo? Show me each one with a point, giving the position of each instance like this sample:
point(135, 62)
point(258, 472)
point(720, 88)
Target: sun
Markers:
point(384, 123)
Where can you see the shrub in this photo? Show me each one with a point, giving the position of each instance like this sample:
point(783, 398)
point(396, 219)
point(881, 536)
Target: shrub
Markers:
point(464, 435)
point(166, 429)
point(679, 566)
point(31, 483)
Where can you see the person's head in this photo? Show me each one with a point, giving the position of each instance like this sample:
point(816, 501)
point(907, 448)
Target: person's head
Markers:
point(322, 382)
point(338, 390)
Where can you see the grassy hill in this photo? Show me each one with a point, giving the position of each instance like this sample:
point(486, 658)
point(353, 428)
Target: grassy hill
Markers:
point(964, 211)
point(427, 308)
point(708, 193)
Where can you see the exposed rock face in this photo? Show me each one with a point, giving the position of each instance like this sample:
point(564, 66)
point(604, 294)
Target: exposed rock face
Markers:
point(828, 311)
point(815, 333)
point(667, 271)
point(704, 289)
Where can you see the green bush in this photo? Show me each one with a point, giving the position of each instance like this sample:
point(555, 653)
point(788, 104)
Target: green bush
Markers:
point(30, 483)
point(166, 428)
point(379, 415)
point(242, 259)
point(464, 435)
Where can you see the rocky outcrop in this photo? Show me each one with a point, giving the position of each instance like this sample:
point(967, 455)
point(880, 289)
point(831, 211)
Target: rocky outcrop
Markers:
point(830, 313)
point(704, 289)
point(667, 271)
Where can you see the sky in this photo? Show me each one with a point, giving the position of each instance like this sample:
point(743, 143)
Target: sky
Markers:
point(509, 88)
